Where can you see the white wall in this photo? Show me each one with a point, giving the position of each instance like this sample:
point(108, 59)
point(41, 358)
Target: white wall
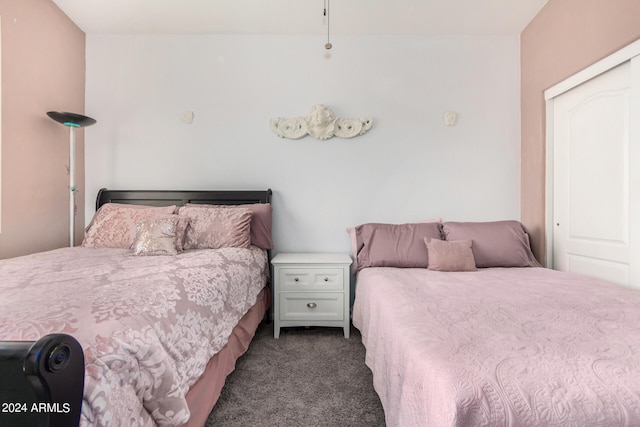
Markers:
point(408, 167)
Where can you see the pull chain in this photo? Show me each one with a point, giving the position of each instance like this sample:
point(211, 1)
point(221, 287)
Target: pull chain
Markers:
point(328, 44)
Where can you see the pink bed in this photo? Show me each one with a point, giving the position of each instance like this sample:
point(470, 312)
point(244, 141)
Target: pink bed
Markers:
point(500, 346)
point(159, 333)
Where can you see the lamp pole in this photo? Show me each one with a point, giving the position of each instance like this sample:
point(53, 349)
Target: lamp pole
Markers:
point(72, 183)
point(72, 121)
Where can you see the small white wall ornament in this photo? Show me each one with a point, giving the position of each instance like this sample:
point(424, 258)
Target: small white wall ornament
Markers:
point(321, 124)
point(450, 118)
point(187, 117)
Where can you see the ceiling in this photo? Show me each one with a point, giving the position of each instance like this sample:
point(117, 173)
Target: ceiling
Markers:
point(464, 17)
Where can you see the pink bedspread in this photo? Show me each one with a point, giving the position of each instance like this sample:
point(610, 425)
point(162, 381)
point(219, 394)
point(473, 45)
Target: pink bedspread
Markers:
point(148, 325)
point(500, 347)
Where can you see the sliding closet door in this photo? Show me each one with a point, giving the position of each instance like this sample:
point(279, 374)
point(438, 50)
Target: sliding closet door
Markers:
point(596, 167)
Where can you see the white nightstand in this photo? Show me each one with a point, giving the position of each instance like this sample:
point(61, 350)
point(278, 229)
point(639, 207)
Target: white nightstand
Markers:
point(311, 289)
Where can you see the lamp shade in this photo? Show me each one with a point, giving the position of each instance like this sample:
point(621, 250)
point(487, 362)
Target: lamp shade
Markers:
point(71, 119)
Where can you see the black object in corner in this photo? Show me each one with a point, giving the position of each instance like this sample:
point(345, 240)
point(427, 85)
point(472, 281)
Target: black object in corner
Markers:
point(41, 382)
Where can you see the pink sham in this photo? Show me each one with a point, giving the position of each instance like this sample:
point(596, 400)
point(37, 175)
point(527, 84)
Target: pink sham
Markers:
point(495, 244)
point(215, 227)
point(114, 225)
point(394, 245)
point(261, 221)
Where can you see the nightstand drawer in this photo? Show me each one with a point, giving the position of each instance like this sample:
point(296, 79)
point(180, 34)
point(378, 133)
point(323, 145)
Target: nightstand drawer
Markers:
point(304, 279)
point(311, 306)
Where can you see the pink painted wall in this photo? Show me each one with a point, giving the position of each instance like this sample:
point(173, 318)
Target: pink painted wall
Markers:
point(565, 37)
point(43, 69)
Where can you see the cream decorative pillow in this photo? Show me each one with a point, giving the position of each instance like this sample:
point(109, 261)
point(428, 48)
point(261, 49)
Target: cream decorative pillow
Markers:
point(114, 225)
point(156, 236)
point(215, 227)
point(451, 255)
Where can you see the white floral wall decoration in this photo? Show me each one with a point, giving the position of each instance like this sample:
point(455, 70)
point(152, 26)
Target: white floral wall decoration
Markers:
point(321, 124)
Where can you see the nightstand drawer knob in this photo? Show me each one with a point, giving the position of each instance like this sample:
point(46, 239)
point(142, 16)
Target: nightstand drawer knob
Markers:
point(312, 305)
point(326, 279)
point(296, 279)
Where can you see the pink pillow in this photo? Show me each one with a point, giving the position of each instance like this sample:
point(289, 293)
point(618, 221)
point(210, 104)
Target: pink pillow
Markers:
point(353, 243)
point(453, 255)
point(114, 224)
point(261, 220)
point(216, 227)
point(181, 232)
point(495, 244)
point(394, 245)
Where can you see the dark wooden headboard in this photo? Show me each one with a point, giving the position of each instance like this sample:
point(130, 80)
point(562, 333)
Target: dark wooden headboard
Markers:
point(179, 198)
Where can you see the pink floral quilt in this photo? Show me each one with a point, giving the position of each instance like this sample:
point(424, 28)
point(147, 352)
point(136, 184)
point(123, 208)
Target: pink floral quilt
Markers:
point(148, 324)
point(500, 347)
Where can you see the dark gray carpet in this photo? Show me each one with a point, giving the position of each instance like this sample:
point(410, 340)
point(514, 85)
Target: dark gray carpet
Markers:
point(307, 377)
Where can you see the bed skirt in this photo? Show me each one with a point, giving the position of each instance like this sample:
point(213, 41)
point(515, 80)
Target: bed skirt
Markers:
point(204, 394)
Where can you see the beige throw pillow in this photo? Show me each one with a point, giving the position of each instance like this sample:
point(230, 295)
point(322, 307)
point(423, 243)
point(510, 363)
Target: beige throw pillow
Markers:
point(452, 255)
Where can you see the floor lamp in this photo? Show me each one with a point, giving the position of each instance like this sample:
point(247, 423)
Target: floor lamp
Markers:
point(72, 121)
